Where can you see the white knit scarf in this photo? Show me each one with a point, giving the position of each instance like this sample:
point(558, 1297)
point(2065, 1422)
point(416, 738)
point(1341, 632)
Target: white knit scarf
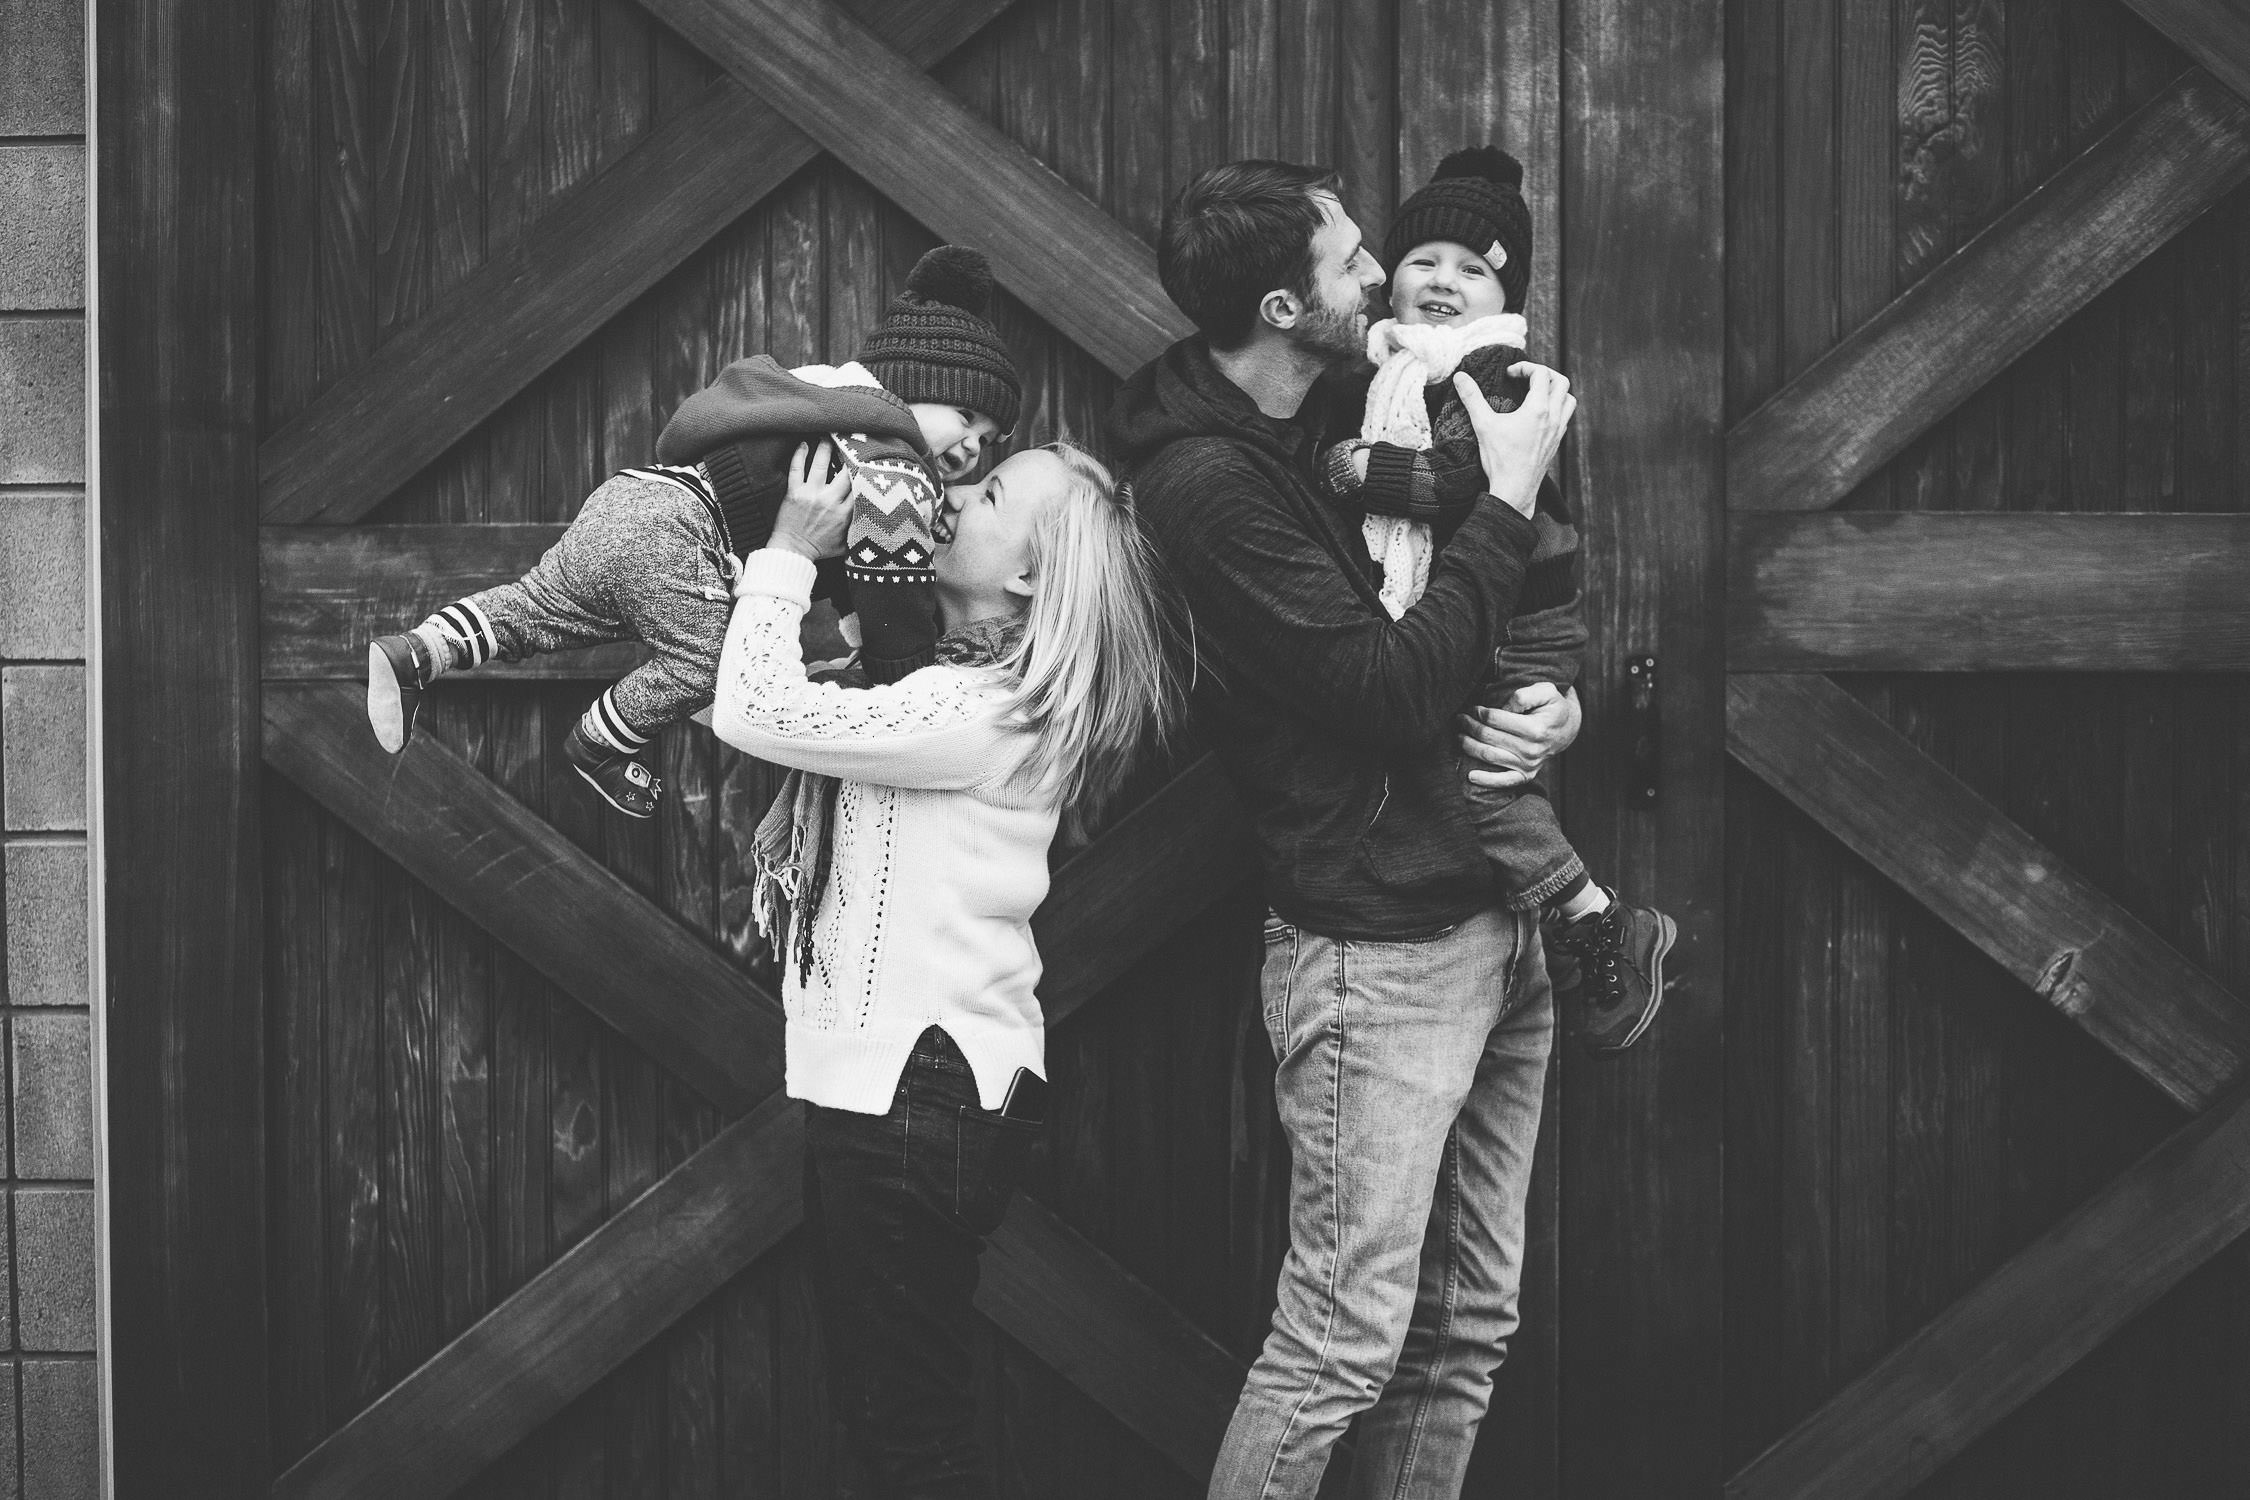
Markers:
point(1407, 358)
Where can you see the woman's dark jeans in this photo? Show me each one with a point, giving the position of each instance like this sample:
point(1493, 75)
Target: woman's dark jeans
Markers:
point(901, 1203)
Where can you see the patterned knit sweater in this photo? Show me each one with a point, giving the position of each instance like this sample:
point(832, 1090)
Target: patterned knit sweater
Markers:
point(939, 859)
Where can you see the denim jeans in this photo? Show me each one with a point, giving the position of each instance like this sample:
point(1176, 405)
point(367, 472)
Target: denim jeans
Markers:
point(1410, 1080)
point(901, 1204)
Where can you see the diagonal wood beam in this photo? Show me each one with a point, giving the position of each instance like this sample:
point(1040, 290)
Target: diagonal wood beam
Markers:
point(1913, 362)
point(1992, 882)
point(1913, 591)
point(922, 148)
point(644, 1269)
point(325, 591)
point(464, 837)
point(2034, 1318)
point(692, 1231)
point(2216, 33)
point(585, 261)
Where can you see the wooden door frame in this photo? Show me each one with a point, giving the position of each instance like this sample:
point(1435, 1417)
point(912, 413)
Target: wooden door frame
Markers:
point(175, 94)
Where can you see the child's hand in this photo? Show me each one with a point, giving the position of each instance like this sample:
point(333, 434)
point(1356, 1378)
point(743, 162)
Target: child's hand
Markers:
point(818, 507)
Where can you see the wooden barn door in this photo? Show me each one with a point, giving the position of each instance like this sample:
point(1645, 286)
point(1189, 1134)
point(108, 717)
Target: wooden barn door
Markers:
point(529, 1189)
point(1988, 375)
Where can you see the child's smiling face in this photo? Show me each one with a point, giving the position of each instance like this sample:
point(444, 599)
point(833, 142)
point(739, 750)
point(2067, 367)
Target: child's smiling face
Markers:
point(956, 436)
point(1442, 282)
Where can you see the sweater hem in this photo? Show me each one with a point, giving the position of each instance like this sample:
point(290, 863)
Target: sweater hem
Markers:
point(859, 1071)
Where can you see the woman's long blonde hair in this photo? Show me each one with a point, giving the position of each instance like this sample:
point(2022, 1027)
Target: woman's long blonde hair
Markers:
point(1095, 666)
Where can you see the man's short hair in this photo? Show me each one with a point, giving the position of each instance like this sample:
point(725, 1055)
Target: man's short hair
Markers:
point(1237, 232)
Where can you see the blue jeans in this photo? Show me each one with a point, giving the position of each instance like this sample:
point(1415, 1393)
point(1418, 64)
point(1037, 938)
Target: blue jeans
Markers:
point(1410, 1080)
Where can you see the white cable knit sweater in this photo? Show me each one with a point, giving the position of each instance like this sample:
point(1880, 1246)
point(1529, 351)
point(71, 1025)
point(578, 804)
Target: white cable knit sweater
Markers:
point(940, 855)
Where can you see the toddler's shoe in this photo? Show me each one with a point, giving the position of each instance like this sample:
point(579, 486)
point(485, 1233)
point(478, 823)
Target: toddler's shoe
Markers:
point(624, 781)
point(398, 668)
point(1620, 954)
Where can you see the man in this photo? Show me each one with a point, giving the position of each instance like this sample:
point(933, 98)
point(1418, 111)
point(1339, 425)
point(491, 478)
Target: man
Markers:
point(1409, 1012)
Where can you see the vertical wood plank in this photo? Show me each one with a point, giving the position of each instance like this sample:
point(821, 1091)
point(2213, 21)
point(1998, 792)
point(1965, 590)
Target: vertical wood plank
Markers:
point(346, 327)
point(296, 939)
point(1366, 149)
point(1754, 202)
point(1642, 1284)
point(351, 881)
point(176, 154)
point(1253, 87)
point(1867, 170)
point(407, 1181)
point(289, 207)
point(1140, 71)
point(1808, 184)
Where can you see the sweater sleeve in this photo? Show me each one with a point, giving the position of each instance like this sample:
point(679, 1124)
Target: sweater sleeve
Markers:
point(941, 729)
point(1275, 607)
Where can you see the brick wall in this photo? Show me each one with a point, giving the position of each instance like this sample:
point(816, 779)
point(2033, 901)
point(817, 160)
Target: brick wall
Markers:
point(49, 1427)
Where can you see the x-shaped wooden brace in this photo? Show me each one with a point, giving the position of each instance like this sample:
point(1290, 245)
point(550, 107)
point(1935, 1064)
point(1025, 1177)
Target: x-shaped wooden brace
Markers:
point(1981, 298)
point(1805, 449)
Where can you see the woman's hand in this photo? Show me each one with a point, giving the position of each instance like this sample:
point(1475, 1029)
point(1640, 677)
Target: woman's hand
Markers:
point(1513, 743)
point(817, 508)
point(1517, 447)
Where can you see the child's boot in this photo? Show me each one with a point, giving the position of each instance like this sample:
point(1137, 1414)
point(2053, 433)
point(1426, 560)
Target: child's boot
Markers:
point(1620, 952)
point(621, 777)
point(398, 668)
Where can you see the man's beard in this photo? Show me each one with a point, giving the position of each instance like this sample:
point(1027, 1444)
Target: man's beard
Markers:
point(1334, 331)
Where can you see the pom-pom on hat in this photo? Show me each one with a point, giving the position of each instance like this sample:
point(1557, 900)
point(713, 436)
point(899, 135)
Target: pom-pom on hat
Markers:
point(1474, 199)
point(937, 343)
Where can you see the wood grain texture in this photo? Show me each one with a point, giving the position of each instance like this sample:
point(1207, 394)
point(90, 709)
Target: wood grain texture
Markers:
point(313, 738)
point(2216, 33)
point(2034, 1318)
point(175, 157)
point(329, 590)
point(1641, 1161)
point(619, 1287)
point(531, 303)
point(1996, 592)
point(1109, 1335)
point(843, 85)
point(2010, 896)
point(560, 911)
point(1150, 872)
point(1964, 322)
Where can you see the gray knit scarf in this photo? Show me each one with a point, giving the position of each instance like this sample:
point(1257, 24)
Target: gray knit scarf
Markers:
point(795, 843)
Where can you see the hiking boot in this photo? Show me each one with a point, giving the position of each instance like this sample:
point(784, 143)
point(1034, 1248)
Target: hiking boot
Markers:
point(624, 781)
point(398, 668)
point(1620, 952)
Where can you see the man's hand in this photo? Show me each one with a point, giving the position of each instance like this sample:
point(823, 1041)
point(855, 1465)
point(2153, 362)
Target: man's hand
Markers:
point(1512, 746)
point(1517, 447)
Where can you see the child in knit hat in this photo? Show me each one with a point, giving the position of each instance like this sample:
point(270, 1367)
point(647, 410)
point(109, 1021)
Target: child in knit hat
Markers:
point(653, 552)
point(1459, 259)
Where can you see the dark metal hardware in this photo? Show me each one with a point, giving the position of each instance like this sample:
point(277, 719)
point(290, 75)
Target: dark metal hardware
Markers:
point(1645, 731)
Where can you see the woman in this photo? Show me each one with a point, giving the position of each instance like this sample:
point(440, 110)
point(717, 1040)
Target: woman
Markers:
point(913, 1030)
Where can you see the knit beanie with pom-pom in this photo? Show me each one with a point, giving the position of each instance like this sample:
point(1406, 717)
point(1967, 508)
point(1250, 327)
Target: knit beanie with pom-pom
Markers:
point(937, 343)
point(1475, 199)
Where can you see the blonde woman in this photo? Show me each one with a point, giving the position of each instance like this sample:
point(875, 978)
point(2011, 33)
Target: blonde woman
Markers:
point(914, 1033)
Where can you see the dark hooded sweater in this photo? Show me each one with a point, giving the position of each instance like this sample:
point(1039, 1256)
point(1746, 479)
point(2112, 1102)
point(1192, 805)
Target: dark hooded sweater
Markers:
point(1335, 722)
